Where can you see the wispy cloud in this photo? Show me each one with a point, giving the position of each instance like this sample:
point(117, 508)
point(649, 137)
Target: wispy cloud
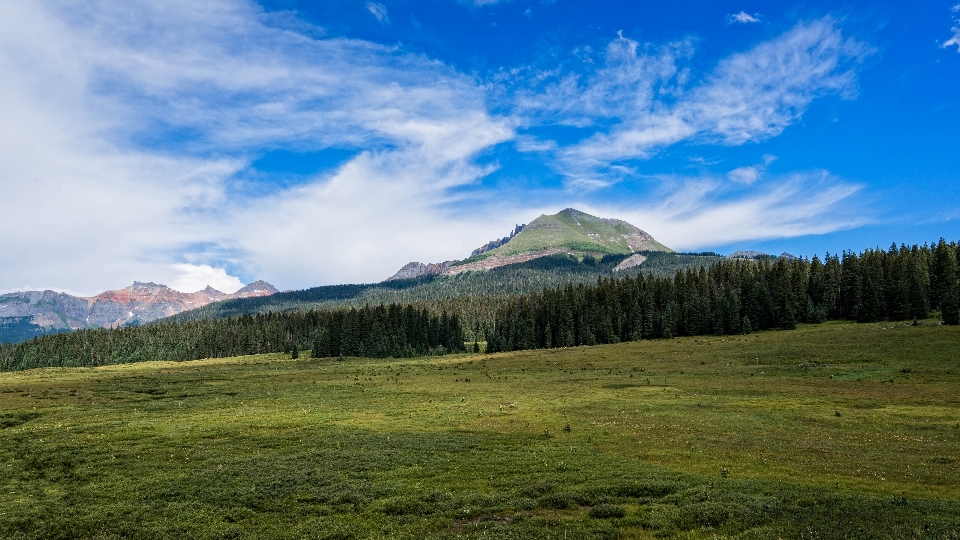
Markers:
point(955, 40)
point(126, 127)
point(696, 212)
point(126, 124)
point(743, 18)
point(628, 84)
point(379, 11)
point(641, 101)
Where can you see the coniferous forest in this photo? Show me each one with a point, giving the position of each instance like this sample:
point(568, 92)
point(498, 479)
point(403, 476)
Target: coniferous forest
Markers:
point(737, 296)
point(728, 297)
point(377, 332)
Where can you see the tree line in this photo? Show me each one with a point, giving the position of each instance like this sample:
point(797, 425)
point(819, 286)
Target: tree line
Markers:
point(728, 297)
point(379, 332)
point(731, 297)
point(475, 296)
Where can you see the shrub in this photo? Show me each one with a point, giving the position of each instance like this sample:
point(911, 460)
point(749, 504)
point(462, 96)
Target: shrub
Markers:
point(538, 489)
point(646, 489)
point(607, 511)
point(562, 501)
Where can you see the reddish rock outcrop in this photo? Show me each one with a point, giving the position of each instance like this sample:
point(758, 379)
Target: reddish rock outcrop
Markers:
point(139, 303)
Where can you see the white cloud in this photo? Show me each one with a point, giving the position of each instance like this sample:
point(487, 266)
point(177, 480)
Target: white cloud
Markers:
point(743, 18)
point(745, 175)
point(122, 127)
point(532, 144)
point(955, 40)
point(123, 124)
point(750, 174)
point(628, 84)
point(192, 278)
point(701, 212)
point(379, 11)
point(748, 97)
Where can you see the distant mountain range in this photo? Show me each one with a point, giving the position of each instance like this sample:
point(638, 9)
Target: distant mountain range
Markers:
point(568, 231)
point(569, 246)
point(758, 255)
point(30, 313)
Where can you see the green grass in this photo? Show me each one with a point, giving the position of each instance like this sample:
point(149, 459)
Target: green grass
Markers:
point(571, 230)
point(796, 434)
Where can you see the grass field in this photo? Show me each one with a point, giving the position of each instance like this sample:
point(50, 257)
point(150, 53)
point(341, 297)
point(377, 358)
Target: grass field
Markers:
point(831, 431)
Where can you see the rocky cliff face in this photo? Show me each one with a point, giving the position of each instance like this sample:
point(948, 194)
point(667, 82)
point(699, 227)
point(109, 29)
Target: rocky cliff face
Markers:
point(494, 244)
point(36, 312)
point(417, 269)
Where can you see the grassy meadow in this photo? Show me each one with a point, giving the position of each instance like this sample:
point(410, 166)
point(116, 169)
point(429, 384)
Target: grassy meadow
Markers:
point(837, 430)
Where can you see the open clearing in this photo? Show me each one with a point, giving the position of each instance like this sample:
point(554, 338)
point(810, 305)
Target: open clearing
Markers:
point(831, 431)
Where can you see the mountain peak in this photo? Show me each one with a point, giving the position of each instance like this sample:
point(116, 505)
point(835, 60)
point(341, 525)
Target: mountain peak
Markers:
point(139, 303)
point(140, 285)
point(258, 288)
point(573, 230)
point(568, 231)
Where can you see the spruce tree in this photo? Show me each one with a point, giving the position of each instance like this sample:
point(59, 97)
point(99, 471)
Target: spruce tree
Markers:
point(950, 308)
point(943, 273)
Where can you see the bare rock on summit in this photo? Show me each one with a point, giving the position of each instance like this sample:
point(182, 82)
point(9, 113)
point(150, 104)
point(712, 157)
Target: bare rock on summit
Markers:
point(257, 288)
point(745, 254)
point(417, 269)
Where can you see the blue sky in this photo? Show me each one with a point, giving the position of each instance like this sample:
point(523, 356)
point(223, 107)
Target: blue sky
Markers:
point(311, 143)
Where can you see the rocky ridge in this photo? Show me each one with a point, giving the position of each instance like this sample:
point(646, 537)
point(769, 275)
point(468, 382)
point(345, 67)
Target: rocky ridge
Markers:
point(139, 303)
point(494, 244)
point(744, 254)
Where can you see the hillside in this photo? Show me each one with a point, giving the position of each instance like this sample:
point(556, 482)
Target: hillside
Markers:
point(475, 296)
point(576, 231)
point(568, 232)
point(24, 315)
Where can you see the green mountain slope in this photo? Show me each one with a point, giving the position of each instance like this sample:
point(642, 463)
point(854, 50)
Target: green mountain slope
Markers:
point(475, 296)
point(574, 231)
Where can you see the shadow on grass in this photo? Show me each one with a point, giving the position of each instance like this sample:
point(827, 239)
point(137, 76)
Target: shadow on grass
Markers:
point(338, 482)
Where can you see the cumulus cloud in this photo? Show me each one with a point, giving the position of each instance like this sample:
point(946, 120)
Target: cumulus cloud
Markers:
point(743, 18)
point(193, 277)
point(745, 175)
point(750, 174)
point(124, 127)
point(379, 11)
point(641, 101)
point(955, 40)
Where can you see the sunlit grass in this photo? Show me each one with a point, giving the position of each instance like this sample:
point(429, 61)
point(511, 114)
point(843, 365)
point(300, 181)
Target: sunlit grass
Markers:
point(785, 434)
